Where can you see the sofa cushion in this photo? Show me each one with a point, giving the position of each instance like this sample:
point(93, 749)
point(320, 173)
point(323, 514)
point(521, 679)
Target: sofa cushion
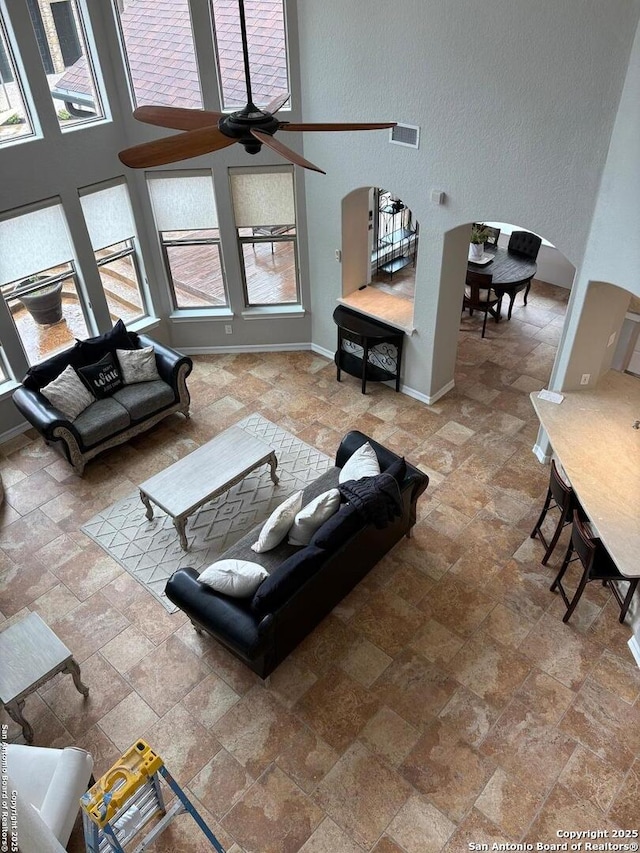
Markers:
point(397, 470)
point(138, 365)
point(237, 578)
point(286, 579)
point(363, 463)
point(101, 420)
point(103, 377)
point(338, 529)
point(81, 353)
point(143, 398)
point(68, 394)
point(93, 349)
point(42, 374)
point(312, 516)
point(277, 525)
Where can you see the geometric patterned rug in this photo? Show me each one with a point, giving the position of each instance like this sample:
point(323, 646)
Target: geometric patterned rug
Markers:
point(150, 550)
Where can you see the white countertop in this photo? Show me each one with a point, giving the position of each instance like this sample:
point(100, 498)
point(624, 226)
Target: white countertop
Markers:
point(592, 434)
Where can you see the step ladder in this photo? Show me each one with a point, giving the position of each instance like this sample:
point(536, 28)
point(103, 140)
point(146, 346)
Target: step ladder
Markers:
point(129, 795)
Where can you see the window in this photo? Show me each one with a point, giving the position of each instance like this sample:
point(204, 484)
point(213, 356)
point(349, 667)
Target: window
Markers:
point(109, 219)
point(61, 34)
point(38, 282)
point(264, 210)
point(15, 122)
point(159, 52)
point(187, 221)
point(266, 39)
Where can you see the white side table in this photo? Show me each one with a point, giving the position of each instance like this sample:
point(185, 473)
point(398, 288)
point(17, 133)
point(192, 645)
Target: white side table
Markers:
point(31, 654)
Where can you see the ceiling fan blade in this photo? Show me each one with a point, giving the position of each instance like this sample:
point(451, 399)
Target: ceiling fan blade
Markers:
point(177, 117)
point(287, 153)
point(277, 103)
point(337, 126)
point(181, 146)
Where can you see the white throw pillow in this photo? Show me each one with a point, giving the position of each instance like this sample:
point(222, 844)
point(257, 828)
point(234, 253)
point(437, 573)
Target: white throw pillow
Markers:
point(312, 516)
point(68, 393)
point(137, 365)
point(238, 578)
point(363, 463)
point(277, 525)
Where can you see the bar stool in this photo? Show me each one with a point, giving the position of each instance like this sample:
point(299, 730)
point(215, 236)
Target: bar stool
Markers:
point(597, 565)
point(565, 500)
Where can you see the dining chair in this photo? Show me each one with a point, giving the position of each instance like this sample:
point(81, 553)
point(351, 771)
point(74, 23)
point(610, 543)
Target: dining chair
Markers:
point(528, 245)
point(480, 296)
point(560, 496)
point(596, 565)
point(525, 243)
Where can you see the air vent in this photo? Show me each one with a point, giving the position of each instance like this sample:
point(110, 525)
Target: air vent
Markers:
point(405, 134)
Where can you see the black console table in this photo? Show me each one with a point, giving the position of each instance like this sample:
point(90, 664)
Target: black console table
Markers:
point(367, 348)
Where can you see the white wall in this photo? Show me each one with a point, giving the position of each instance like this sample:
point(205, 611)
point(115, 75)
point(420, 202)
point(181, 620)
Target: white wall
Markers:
point(613, 250)
point(515, 101)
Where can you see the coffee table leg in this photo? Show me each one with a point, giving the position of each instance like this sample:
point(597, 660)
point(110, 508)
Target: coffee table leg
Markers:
point(273, 462)
point(180, 524)
point(14, 710)
point(74, 670)
point(147, 503)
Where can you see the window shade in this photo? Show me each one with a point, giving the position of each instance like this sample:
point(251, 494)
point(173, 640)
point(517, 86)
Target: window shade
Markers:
point(263, 198)
point(183, 203)
point(33, 242)
point(107, 213)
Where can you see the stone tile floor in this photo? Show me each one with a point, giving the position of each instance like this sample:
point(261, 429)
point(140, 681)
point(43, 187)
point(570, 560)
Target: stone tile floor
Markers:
point(443, 702)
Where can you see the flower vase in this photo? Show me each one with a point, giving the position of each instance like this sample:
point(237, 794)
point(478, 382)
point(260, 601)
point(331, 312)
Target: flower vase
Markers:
point(476, 251)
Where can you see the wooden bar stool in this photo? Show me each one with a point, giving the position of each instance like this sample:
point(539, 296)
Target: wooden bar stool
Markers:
point(597, 565)
point(560, 496)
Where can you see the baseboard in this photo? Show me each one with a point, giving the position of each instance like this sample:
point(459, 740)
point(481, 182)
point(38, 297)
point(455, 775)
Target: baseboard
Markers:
point(12, 433)
point(540, 455)
point(246, 348)
point(429, 400)
point(635, 649)
point(318, 350)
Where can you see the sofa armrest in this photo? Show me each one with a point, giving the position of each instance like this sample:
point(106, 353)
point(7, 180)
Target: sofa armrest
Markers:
point(220, 615)
point(413, 478)
point(168, 360)
point(41, 413)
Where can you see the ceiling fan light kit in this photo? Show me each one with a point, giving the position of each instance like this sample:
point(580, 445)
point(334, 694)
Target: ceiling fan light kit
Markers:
point(205, 131)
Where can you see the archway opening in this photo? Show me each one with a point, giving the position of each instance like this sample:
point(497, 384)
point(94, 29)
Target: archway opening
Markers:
point(379, 255)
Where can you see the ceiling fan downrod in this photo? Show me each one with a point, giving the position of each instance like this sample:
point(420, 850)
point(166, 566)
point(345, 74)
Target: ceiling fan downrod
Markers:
point(238, 125)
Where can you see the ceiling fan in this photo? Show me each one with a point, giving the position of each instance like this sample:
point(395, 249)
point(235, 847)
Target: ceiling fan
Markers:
point(206, 131)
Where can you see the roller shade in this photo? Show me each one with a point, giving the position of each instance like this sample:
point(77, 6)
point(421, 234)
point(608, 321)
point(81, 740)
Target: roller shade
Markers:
point(108, 215)
point(33, 242)
point(183, 203)
point(263, 198)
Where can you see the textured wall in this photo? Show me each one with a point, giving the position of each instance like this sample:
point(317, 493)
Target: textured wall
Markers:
point(516, 103)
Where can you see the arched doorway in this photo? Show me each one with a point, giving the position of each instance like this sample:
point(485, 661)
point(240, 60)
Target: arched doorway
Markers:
point(379, 255)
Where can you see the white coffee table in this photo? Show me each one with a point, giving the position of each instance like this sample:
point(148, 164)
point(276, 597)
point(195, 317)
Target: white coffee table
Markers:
point(202, 475)
point(31, 654)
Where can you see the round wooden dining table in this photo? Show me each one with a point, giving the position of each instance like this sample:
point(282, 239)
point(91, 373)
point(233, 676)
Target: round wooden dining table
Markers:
point(511, 274)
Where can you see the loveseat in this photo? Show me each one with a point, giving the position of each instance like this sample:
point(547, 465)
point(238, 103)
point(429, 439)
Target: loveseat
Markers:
point(113, 419)
point(304, 583)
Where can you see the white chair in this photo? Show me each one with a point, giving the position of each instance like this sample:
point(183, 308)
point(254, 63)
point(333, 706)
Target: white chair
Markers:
point(48, 784)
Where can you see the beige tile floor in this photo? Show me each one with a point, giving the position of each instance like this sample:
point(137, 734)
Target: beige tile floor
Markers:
point(443, 702)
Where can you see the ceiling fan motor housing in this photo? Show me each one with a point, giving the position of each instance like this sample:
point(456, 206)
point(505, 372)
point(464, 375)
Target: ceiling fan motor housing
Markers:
point(239, 125)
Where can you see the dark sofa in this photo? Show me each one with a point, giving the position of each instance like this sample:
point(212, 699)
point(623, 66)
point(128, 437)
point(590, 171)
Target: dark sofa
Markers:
point(304, 584)
point(115, 419)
